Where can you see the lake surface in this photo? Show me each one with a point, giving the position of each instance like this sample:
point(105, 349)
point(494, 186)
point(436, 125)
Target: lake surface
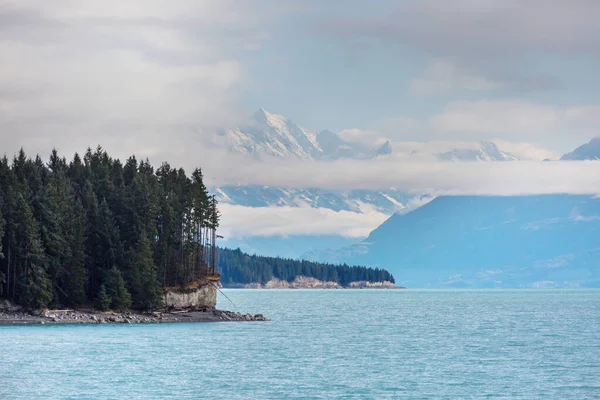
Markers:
point(325, 344)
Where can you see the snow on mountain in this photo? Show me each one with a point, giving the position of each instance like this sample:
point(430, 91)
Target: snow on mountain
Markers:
point(275, 135)
point(485, 151)
point(388, 202)
point(272, 135)
point(588, 151)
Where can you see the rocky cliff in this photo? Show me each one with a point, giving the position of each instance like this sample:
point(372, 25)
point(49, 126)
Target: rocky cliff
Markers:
point(302, 282)
point(197, 296)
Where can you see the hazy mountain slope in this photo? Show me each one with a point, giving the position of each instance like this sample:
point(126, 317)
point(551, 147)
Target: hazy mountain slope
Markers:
point(388, 201)
point(486, 151)
point(588, 151)
point(528, 241)
point(293, 246)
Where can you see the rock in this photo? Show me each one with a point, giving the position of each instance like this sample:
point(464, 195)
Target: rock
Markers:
point(259, 317)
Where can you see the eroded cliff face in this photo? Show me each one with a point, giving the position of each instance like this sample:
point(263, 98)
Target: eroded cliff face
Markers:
point(204, 296)
point(302, 282)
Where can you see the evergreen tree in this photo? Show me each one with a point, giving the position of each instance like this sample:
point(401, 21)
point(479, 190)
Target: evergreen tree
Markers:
point(148, 294)
point(2, 224)
point(117, 290)
point(103, 300)
point(75, 275)
point(34, 288)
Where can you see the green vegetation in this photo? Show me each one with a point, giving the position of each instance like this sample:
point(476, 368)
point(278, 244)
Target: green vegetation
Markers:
point(237, 267)
point(96, 231)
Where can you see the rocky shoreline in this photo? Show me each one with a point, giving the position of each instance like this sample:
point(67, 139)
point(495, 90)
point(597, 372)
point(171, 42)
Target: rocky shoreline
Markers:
point(303, 282)
point(55, 317)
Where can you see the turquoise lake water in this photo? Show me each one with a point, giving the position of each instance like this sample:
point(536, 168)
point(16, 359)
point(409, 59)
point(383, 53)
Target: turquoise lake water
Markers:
point(326, 344)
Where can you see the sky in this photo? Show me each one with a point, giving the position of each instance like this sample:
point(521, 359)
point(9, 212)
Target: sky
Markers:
point(155, 77)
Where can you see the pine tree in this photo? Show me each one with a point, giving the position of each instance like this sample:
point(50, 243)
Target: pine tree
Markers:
point(75, 273)
point(149, 293)
point(2, 224)
point(117, 290)
point(34, 286)
point(103, 300)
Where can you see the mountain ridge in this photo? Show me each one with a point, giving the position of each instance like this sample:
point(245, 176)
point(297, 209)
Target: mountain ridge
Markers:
point(487, 241)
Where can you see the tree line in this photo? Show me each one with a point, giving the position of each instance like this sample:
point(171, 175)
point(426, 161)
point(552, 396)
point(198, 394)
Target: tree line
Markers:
point(96, 231)
point(237, 267)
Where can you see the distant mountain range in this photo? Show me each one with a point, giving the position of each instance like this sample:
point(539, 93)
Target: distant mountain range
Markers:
point(588, 151)
point(487, 151)
point(271, 135)
point(274, 135)
point(480, 241)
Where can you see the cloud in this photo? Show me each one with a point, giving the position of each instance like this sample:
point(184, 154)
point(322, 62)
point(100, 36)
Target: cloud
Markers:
point(526, 151)
point(515, 119)
point(482, 29)
point(241, 221)
point(444, 77)
point(74, 74)
point(526, 127)
point(495, 117)
point(431, 177)
point(494, 45)
point(366, 137)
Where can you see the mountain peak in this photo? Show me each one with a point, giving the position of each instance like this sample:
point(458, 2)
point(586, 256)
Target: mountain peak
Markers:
point(588, 151)
point(384, 149)
point(263, 116)
point(486, 151)
point(276, 135)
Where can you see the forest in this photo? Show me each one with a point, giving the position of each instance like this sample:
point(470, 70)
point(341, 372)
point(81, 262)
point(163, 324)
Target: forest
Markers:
point(237, 267)
point(95, 231)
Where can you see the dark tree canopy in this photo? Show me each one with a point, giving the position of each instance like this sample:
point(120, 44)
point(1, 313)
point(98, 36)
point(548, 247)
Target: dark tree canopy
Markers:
point(98, 231)
point(237, 267)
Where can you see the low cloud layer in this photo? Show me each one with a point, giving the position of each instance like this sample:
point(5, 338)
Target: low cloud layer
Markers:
point(478, 178)
point(240, 221)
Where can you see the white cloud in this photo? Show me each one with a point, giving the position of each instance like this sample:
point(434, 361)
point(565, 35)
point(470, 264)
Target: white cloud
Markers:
point(443, 77)
point(526, 151)
point(477, 29)
point(241, 221)
point(496, 118)
point(134, 75)
point(493, 44)
point(361, 136)
point(477, 178)
point(516, 119)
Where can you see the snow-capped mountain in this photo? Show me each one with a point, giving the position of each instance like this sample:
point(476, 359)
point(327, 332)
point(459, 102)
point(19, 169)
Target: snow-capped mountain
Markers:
point(588, 151)
point(388, 201)
point(275, 135)
point(485, 151)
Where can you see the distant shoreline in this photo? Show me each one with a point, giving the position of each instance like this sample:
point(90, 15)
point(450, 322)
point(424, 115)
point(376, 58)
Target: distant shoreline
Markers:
point(304, 282)
point(258, 286)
